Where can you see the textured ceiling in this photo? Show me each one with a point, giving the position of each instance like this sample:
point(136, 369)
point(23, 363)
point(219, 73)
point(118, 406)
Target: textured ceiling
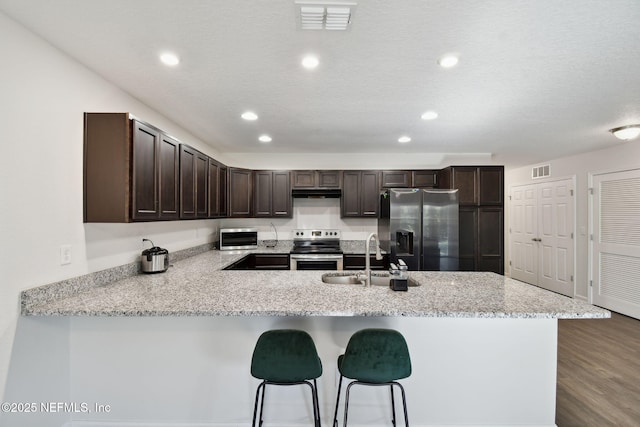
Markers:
point(536, 80)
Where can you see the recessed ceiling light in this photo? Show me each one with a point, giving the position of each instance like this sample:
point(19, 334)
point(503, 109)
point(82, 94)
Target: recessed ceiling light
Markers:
point(404, 139)
point(249, 115)
point(265, 138)
point(310, 62)
point(448, 61)
point(169, 59)
point(429, 115)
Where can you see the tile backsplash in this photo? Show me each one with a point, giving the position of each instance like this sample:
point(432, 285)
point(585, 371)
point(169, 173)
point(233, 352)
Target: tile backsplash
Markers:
point(308, 213)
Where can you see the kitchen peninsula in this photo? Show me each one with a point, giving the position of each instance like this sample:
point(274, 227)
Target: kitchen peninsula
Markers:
point(483, 346)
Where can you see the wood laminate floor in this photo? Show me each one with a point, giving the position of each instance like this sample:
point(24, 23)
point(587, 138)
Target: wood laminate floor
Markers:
point(598, 372)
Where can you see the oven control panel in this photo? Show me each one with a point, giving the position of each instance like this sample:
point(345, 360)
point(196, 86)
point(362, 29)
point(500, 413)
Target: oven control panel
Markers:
point(312, 234)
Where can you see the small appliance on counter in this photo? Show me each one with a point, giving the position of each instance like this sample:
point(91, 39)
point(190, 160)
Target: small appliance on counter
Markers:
point(154, 259)
point(232, 239)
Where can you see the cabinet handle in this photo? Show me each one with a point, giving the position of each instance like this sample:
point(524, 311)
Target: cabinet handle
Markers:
point(536, 240)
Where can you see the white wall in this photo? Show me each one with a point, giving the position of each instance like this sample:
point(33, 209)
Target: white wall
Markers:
point(620, 156)
point(44, 94)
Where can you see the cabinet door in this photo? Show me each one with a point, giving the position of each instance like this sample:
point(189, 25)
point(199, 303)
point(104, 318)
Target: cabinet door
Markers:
point(396, 179)
point(168, 179)
point(304, 179)
point(202, 195)
point(262, 191)
point(187, 182)
point(281, 205)
point(214, 188)
point(465, 179)
point(424, 178)
point(350, 201)
point(240, 192)
point(491, 185)
point(329, 179)
point(468, 238)
point(490, 239)
point(224, 190)
point(370, 193)
point(146, 143)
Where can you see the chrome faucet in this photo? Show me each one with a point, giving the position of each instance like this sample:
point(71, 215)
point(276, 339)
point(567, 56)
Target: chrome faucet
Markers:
point(367, 259)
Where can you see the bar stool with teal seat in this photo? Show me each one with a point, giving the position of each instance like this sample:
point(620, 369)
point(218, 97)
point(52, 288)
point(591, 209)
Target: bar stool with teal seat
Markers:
point(286, 357)
point(375, 357)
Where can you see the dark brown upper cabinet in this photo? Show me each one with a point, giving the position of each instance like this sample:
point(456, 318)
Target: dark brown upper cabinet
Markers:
point(396, 179)
point(272, 194)
point(240, 197)
point(477, 186)
point(194, 175)
point(424, 178)
point(217, 186)
point(130, 170)
point(360, 193)
point(315, 179)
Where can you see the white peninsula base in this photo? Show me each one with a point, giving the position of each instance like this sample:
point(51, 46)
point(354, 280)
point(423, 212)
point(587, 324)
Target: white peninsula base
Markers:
point(194, 371)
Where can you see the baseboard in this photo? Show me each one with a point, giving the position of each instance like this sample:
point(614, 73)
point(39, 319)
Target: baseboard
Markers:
point(194, 424)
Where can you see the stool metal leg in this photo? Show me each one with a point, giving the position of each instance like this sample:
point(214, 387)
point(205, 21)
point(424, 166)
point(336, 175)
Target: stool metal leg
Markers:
point(335, 415)
point(255, 406)
point(404, 405)
point(393, 407)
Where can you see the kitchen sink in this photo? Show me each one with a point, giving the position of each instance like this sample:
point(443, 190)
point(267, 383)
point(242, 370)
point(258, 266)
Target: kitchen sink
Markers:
point(377, 279)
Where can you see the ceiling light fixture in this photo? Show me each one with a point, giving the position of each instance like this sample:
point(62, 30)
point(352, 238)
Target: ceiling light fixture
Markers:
point(169, 59)
point(626, 133)
point(265, 138)
point(249, 115)
point(429, 115)
point(448, 61)
point(310, 62)
point(404, 139)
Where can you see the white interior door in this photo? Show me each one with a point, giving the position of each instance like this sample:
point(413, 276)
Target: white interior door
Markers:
point(555, 234)
point(541, 235)
point(523, 231)
point(616, 242)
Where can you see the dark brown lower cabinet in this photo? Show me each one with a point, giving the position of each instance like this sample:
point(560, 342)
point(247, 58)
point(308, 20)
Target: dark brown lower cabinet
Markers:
point(357, 262)
point(261, 262)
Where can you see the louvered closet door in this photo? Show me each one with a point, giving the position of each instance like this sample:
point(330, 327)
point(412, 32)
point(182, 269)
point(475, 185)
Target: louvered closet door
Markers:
point(616, 241)
point(523, 229)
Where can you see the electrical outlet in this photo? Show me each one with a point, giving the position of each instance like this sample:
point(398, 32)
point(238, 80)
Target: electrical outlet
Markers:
point(65, 254)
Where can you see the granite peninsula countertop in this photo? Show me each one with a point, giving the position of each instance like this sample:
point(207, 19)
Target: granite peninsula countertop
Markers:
point(196, 286)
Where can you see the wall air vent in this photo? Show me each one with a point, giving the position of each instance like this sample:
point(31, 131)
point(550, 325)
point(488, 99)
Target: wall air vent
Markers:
point(540, 171)
point(324, 15)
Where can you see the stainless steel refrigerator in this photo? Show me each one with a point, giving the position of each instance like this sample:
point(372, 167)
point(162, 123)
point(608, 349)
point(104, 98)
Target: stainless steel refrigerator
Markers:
point(420, 226)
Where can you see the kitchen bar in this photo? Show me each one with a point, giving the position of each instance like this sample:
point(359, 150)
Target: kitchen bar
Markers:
point(483, 345)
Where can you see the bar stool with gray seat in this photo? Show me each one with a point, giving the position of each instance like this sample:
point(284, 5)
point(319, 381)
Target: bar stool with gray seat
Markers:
point(286, 357)
point(375, 357)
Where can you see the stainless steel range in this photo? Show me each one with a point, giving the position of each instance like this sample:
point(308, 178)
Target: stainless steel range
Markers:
point(316, 250)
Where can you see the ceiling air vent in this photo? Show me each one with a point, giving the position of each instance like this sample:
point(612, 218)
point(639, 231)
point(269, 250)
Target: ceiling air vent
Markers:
point(541, 171)
point(323, 15)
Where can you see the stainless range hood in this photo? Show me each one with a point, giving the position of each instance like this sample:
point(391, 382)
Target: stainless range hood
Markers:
point(316, 193)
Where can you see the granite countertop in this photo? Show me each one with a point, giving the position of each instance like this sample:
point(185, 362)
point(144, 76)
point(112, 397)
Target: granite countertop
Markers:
point(196, 286)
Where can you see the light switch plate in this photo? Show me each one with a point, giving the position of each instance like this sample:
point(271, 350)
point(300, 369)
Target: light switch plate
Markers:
point(65, 254)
